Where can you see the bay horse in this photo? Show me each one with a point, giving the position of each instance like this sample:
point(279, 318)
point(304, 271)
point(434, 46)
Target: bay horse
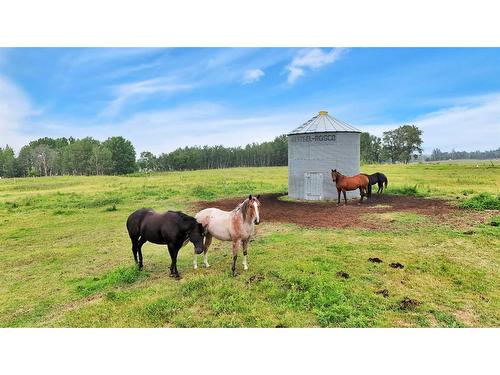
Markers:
point(171, 228)
point(348, 183)
point(376, 178)
point(237, 226)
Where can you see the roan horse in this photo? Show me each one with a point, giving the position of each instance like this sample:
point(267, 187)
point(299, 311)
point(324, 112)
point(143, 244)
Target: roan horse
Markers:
point(348, 183)
point(171, 228)
point(237, 226)
point(376, 178)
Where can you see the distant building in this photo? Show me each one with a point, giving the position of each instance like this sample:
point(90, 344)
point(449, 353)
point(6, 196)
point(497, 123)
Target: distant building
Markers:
point(314, 148)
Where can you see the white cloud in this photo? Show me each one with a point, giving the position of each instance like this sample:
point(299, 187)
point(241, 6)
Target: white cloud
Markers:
point(252, 75)
point(187, 125)
point(472, 125)
point(15, 108)
point(311, 59)
point(140, 90)
point(202, 124)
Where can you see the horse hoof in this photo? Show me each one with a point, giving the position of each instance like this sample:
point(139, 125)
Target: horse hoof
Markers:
point(195, 267)
point(206, 265)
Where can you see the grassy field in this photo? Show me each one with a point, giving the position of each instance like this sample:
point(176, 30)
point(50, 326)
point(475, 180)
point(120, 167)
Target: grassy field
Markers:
point(67, 259)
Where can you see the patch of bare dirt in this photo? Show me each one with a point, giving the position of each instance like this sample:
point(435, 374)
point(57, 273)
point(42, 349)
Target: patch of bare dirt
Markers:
point(329, 214)
point(255, 278)
point(408, 304)
point(343, 274)
point(396, 265)
point(383, 292)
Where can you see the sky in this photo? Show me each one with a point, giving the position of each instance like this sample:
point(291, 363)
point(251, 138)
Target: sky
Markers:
point(162, 99)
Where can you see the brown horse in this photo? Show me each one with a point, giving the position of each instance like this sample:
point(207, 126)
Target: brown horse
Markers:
point(348, 183)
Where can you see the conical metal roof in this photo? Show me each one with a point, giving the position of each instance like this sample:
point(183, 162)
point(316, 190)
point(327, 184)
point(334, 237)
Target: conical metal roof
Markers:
point(324, 123)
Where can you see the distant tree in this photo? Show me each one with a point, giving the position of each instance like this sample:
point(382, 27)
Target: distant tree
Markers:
point(101, 160)
point(77, 157)
point(411, 142)
point(122, 154)
point(370, 148)
point(401, 143)
point(44, 159)
point(7, 162)
point(147, 162)
point(25, 162)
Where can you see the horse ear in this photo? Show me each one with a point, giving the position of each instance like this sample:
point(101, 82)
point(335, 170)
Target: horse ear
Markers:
point(258, 196)
point(250, 197)
point(332, 170)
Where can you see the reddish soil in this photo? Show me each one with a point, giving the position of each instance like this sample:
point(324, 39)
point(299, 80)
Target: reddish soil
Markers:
point(354, 214)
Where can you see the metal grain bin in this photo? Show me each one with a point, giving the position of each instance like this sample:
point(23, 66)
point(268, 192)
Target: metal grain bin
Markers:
point(314, 148)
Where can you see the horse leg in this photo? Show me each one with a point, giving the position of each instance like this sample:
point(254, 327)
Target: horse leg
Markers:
point(345, 197)
point(173, 257)
point(134, 248)
point(236, 245)
point(176, 251)
point(380, 187)
point(362, 193)
point(338, 191)
point(208, 241)
point(245, 248)
point(171, 252)
point(142, 241)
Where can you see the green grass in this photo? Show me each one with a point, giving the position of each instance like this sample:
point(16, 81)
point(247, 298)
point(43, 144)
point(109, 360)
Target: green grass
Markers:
point(67, 259)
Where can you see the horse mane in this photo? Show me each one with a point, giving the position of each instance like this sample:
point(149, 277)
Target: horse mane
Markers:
point(243, 207)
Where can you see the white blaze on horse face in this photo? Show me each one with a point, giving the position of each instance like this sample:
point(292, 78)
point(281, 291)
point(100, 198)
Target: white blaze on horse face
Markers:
point(257, 217)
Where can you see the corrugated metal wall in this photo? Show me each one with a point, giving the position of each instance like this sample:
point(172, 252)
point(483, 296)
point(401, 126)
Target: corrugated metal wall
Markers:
point(319, 153)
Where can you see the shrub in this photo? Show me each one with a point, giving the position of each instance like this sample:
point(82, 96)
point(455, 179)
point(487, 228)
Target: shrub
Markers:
point(483, 201)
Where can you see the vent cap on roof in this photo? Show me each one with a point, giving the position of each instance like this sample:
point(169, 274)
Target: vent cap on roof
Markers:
point(324, 123)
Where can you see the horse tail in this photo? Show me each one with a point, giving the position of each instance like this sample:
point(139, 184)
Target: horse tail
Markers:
point(369, 189)
point(386, 182)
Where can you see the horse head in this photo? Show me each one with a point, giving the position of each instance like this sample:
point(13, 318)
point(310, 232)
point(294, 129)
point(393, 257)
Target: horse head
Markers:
point(250, 209)
point(334, 175)
point(196, 236)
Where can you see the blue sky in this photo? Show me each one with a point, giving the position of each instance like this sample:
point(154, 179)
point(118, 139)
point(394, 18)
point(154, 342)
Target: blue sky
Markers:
point(162, 99)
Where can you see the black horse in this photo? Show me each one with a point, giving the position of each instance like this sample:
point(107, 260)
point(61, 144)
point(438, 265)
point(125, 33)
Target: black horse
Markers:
point(376, 178)
point(171, 228)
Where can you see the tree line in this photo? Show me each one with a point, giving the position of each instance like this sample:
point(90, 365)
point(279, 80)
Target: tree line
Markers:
point(266, 154)
point(437, 154)
point(69, 156)
point(117, 156)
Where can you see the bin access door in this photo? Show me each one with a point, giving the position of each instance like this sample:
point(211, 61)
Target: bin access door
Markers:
point(313, 186)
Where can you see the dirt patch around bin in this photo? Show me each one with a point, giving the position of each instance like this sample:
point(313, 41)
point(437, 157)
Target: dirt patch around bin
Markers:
point(329, 214)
